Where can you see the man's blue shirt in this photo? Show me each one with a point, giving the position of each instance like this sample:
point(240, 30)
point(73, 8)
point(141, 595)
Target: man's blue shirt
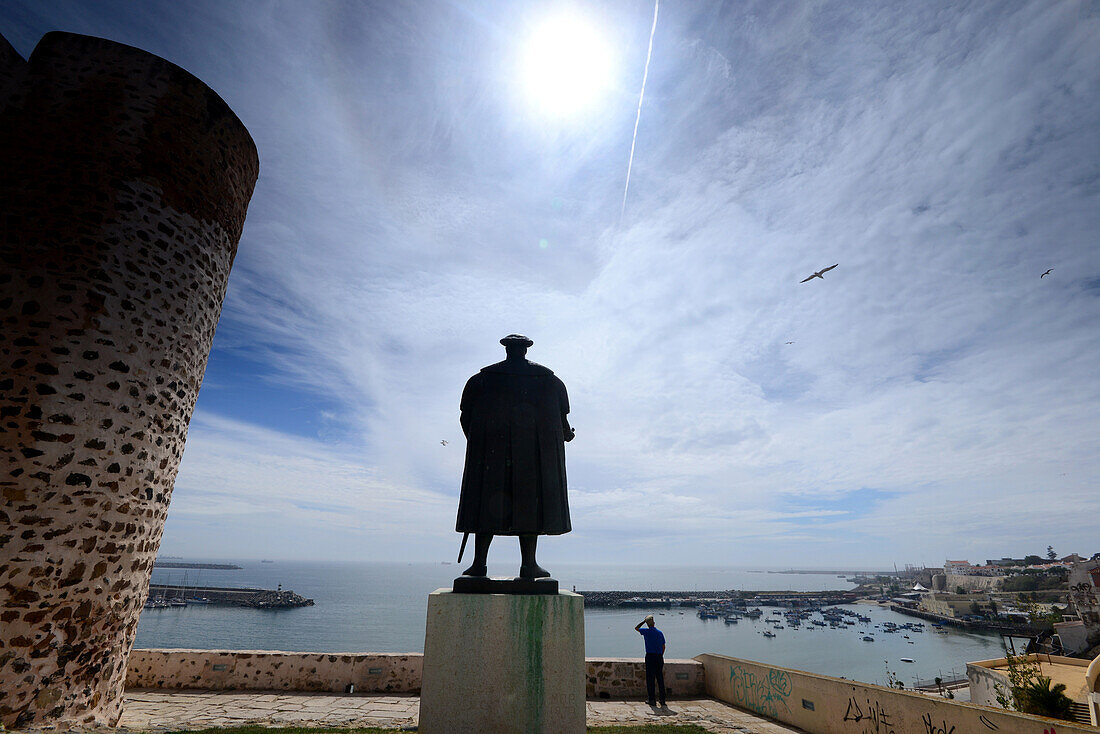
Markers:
point(654, 640)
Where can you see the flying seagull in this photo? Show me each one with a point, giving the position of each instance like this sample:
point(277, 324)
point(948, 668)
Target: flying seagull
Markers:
point(1046, 273)
point(790, 342)
point(443, 442)
point(820, 273)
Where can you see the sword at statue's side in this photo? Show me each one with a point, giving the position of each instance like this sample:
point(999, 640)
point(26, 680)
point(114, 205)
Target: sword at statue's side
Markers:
point(465, 537)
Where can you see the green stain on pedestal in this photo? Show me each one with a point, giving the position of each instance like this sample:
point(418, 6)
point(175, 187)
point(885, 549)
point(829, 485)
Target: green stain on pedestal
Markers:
point(527, 628)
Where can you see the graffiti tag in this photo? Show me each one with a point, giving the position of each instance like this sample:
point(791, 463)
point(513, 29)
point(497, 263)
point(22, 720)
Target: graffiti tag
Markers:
point(875, 720)
point(931, 727)
point(988, 724)
point(761, 693)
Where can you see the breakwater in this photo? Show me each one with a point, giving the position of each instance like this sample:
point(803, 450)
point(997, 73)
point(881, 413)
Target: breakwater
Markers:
point(695, 598)
point(1026, 630)
point(184, 564)
point(255, 598)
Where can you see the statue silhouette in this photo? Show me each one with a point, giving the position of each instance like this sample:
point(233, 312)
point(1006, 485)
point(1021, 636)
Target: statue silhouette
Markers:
point(514, 415)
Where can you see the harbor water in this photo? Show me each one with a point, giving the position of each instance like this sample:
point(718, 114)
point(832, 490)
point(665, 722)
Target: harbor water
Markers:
point(375, 607)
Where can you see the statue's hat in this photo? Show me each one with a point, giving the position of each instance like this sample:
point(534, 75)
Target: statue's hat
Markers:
point(516, 340)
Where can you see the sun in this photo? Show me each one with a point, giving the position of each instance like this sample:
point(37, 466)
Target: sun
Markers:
point(566, 66)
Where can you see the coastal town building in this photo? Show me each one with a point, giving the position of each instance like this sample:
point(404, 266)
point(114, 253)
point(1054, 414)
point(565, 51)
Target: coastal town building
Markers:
point(961, 567)
point(1072, 636)
point(988, 678)
point(1006, 562)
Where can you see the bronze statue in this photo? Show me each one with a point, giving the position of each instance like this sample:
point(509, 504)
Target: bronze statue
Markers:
point(514, 418)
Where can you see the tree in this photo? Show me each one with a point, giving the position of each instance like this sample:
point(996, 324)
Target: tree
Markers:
point(1031, 692)
point(1038, 697)
point(975, 607)
point(1051, 554)
point(960, 590)
point(1032, 560)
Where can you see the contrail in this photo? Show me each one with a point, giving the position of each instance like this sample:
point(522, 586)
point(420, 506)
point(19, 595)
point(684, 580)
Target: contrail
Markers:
point(638, 117)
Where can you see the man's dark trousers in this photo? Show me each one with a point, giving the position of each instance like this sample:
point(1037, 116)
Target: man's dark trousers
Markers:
point(655, 672)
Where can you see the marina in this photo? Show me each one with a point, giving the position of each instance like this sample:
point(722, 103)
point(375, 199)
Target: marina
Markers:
point(377, 607)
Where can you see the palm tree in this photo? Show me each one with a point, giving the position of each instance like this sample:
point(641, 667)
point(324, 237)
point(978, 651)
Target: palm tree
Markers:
point(1038, 697)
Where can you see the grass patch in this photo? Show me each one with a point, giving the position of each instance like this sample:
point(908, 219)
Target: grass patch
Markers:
point(649, 729)
point(641, 729)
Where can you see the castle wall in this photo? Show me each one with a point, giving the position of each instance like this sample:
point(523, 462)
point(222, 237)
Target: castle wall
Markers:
point(124, 183)
point(973, 583)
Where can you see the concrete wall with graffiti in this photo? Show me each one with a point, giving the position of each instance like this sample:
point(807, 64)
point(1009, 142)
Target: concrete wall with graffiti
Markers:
point(1084, 592)
point(820, 704)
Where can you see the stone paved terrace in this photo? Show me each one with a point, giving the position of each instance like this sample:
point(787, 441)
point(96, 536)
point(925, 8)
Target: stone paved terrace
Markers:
point(149, 710)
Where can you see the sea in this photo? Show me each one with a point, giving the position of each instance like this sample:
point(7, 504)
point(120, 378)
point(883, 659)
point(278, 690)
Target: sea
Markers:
point(381, 607)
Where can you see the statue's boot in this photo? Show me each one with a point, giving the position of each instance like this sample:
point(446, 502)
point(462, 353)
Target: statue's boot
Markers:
point(529, 568)
point(481, 555)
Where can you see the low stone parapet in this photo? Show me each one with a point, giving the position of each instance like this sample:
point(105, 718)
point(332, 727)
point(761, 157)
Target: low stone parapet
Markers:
point(620, 678)
point(272, 670)
point(267, 670)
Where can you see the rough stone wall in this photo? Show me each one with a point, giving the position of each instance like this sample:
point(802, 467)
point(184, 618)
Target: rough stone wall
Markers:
point(973, 583)
point(267, 670)
point(620, 678)
point(612, 678)
point(124, 183)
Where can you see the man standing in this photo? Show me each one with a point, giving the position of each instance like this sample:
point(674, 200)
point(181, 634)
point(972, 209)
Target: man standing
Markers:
point(654, 659)
point(514, 417)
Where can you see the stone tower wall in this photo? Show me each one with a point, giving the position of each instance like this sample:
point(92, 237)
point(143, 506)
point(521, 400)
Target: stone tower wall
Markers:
point(124, 183)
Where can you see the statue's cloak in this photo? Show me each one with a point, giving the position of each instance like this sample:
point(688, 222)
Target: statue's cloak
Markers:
point(514, 418)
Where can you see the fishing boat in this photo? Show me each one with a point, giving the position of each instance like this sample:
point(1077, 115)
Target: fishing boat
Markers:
point(907, 660)
point(868, 638)
point(769, 634)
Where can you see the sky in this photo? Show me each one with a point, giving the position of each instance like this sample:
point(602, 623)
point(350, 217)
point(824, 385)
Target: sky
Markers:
point(421, 195)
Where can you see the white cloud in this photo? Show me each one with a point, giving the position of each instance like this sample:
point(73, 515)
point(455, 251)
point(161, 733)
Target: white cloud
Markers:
point(944, 157)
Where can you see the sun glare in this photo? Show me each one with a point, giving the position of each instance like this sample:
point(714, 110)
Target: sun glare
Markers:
point(567, 66)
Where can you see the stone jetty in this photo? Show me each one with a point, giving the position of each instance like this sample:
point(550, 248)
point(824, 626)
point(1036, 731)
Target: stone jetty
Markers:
point(694, 598)
point(242, 597)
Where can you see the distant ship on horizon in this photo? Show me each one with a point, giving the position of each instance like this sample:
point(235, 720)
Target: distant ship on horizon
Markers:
point(266, 561)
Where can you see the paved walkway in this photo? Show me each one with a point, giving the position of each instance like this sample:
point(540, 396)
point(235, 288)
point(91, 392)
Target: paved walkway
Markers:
point(149, 710)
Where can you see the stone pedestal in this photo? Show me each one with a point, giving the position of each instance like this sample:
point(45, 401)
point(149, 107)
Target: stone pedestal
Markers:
point(503, 663)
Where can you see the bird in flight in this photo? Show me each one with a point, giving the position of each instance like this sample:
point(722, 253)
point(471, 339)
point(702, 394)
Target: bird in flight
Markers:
point(820, 273)
point(1046, 273)
point(790, 342)
point(443, 442)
